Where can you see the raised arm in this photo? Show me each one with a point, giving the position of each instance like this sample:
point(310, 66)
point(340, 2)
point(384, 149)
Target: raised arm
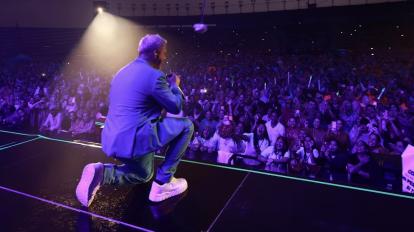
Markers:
point(170, 98)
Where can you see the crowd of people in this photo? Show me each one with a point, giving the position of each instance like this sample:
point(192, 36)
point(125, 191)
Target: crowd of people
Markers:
point(37, 97)
point(335, 116)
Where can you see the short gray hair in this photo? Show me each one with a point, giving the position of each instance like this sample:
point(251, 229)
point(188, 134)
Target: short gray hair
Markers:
point(150, 44)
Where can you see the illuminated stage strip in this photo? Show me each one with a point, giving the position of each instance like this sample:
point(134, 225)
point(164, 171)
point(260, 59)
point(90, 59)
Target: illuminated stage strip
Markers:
point(17, 144)
point(17, 133)
point(72, 142)
point(7, 144)
point(74, 209)
point(406, 196)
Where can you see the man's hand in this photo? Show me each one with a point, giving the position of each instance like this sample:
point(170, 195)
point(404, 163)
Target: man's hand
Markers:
point(174, 79)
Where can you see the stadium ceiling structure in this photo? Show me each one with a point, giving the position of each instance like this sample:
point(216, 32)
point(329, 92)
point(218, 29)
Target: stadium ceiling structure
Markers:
point(131, 8)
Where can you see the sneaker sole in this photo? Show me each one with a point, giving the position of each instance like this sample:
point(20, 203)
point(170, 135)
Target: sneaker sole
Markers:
point(165, 196)
point(84, 185)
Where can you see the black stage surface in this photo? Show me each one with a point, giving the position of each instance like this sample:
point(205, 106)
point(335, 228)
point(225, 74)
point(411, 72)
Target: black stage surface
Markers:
point(38, 176)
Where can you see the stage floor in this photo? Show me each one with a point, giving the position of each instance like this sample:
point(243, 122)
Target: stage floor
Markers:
point(38, 176)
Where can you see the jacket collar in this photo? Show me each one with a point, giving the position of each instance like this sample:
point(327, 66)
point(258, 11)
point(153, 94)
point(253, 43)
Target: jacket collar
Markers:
point(141, 60)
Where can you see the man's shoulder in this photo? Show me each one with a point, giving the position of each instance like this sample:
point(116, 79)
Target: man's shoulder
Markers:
point(142, 64)
point(139, 66)
point(136, 72)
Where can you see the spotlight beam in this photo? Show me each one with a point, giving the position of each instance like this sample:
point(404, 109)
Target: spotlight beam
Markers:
point(102, 50)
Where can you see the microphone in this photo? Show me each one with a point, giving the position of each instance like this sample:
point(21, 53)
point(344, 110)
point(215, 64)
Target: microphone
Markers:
point(171, 75)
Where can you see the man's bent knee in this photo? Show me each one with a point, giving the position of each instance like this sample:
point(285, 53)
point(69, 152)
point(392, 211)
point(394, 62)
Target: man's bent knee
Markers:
point(189, 125)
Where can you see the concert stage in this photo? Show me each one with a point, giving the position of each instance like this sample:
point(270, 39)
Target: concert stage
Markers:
point(38, 176)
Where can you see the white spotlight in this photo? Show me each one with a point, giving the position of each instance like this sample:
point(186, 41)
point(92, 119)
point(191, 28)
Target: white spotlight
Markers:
point(100, 10)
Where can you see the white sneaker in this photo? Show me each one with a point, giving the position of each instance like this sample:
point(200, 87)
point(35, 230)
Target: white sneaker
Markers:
point(162, 192)
point(90, 182)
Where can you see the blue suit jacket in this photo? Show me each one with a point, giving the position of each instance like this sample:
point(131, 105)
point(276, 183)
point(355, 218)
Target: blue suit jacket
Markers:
point(138, 94)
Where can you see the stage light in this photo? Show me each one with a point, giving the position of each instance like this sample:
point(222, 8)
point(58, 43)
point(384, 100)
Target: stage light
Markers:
point(100, 6)
point(200, 28)
point(101, 42)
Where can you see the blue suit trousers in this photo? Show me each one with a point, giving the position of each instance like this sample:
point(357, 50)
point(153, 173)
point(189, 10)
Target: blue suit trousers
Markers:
point(174, 134)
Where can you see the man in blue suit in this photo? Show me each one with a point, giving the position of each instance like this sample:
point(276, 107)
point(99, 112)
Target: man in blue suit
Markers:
point(135, 129)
